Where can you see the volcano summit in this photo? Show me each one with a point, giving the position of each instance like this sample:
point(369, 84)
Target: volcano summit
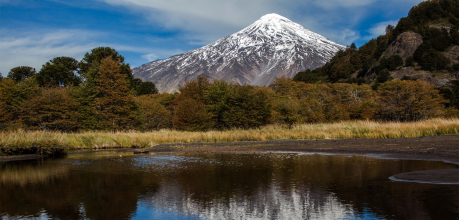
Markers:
point(271, 47)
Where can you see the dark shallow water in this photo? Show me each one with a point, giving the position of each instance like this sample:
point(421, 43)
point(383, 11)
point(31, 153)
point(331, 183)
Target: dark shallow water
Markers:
point(103, 185)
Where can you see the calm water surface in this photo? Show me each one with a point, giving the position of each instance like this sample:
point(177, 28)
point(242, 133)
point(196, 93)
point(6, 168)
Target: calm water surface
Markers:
point(103, 185)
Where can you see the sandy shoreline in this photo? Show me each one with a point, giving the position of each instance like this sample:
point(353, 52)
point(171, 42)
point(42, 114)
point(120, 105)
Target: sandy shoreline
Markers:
point(439, 148)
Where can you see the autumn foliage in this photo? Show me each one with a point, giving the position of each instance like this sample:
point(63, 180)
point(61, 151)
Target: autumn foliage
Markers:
point(115, 105)
point(108, 98)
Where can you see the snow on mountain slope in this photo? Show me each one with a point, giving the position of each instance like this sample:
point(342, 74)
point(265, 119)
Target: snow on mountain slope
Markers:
point(271, 47)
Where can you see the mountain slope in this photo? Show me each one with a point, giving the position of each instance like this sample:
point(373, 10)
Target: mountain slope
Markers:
point(423, 46)
point(271, 47)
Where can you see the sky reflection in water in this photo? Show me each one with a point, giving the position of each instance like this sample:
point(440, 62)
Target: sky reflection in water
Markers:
point(103, 185)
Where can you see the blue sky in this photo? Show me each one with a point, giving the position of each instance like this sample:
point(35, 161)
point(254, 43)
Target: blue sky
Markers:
point(35, 31)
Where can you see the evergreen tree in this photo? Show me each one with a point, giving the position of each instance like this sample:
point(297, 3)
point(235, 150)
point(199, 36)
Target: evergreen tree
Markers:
point(409, 61)
point(434, 60)
point(21, 73)
point(389, 29)
point(144, 88)
point(91, 61)
point(59, 71)
point(307, 76)
point(353, 47)
point(384, 76)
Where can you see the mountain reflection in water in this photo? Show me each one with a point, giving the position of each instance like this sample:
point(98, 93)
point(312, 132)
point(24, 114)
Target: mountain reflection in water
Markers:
point(102, 185)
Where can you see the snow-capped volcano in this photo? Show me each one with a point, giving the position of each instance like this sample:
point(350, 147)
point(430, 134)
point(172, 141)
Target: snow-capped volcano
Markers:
point(271, 47)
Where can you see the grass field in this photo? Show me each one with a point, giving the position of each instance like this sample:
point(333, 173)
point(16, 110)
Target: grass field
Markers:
point(48, 142)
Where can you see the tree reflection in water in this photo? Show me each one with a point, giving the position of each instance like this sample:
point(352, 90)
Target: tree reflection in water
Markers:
point(102, 185)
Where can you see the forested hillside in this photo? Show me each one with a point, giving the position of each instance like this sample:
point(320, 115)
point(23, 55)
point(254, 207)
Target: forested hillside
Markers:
point(424, 45)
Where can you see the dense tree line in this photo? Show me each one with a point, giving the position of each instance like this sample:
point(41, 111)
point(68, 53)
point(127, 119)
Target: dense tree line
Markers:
point(66, 95)
point(99, 93)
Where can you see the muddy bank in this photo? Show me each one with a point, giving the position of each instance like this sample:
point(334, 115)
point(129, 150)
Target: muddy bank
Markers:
point(444, 148)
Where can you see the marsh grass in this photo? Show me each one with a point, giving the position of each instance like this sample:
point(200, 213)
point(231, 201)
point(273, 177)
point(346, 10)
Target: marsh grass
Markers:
point(17, 142)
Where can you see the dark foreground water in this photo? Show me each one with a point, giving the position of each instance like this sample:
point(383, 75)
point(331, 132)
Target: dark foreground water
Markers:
point(103, 185)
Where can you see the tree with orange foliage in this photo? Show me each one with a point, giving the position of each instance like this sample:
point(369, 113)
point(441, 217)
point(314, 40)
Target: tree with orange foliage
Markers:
point(189, 108)
point(53, 109)
point(12, 95)
point(114, 102)
point(409, 101)
point(155, 116)
point(284, 86)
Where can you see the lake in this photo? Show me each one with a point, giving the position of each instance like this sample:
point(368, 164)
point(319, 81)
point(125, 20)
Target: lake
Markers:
point(121, 185)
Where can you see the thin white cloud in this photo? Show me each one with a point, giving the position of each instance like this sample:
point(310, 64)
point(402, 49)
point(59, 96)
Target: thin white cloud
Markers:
point(35, 48)
point(379, 29)
point(204, 21)
point(161, 54)
point(342, 3)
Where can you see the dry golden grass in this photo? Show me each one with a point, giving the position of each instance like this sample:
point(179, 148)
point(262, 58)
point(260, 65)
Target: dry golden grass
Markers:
point(341, 130)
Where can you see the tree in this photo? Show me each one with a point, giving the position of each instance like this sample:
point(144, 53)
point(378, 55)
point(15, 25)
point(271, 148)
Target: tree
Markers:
point(216, 99)
point(284, 86)
point(454, 86)
point(59, 71)
point(12, 95)
point(190, 115)
point(21, 73)
point(114, 103)
point(447, 94)
point(91, 61)
point(196, 88)
point(409, 61)
point(144, 88)
point(409, 101)
point(249, 107)
point(307, 76)
point(53, 109)
point(389, 29)
point(315, 102)
point(384, 76)
point(286, 111)
point(356, 61)
point(353, 47)
point(154, 115)
point(190, 112)
point(434, 60)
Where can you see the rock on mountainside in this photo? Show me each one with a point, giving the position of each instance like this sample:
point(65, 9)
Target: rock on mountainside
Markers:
point(271, 47)
point(405, 45)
